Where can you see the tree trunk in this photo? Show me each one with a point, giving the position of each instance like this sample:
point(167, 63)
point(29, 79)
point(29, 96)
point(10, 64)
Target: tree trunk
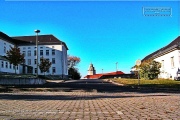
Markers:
point(15, 69)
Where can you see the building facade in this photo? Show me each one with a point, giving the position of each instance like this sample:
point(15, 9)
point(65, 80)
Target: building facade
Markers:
point(169, 57)
point(6, 43)
point(49, 47)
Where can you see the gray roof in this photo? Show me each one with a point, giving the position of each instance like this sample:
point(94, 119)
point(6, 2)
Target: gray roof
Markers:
point(174, 45)
point(31, 40)
point(42, 40)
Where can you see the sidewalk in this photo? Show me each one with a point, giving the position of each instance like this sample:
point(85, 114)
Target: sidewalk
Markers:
point(89, 106)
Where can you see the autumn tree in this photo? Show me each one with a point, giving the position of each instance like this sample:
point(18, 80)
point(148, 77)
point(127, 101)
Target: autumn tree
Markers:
point(149, 69)
point(73, 72)
point(14, 56)
point(44, 65)
point(73, 61)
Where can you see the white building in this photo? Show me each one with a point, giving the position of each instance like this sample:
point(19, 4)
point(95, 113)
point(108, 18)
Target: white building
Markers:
point(49, 47)
point(169, 57)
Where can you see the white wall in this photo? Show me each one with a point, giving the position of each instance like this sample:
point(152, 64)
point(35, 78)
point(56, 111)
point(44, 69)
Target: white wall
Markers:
point(60, 57)
point(7, 69)
point(60, 62)
point(4, 45)
point(167, 70)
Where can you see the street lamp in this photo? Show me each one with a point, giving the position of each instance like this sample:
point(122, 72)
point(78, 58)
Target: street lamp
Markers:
point(116, 66)
point(37, 31)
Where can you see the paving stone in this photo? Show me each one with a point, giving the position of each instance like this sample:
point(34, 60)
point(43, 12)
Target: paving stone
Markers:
point(89, 106)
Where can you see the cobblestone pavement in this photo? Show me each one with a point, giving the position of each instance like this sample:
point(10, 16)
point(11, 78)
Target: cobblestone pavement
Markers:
point(90, 106)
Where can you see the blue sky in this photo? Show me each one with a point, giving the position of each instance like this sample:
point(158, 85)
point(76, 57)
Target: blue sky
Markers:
point(99, 32)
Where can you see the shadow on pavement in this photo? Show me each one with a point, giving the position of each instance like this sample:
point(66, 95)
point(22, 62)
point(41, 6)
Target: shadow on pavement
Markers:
point(66, 97)
point(88, 86)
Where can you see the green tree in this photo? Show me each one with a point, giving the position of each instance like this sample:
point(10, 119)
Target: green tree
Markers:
point(149, 69)
point(74, 74)
point(44, 65)
point(14, 56)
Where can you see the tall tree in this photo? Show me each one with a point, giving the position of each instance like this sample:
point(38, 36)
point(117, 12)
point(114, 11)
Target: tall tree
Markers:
point(73, 72)
point(14, 56)
point(44, 65)
point(73, 61)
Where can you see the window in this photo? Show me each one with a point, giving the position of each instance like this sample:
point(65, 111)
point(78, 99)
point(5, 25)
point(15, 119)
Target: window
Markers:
point(47, 52)
point(172, 62)
point(24, 53)
point(53, 61)
point(4, 49)
point(29, 61)
point(29, 53)
point(41, 47)
point(41, 52)
point(29, 47)
point(54, 70)
point(35, 70)
point(53, 52)
point(34, 52)
point(35, 61)
point(162, 64)
point(10, 65)
point(24, 48)
point(6, 64)
point(2, 64)
point(17, 67)
point(47, 59)
point(13, 67)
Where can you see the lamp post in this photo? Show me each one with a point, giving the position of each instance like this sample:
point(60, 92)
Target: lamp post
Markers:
point(116, 66)
point(138, 63)
point(37, 31)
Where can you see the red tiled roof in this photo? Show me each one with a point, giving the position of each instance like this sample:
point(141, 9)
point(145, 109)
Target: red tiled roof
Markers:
point(97, 76)
point(114, 73)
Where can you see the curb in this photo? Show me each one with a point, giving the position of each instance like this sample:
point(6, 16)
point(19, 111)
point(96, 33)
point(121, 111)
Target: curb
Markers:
point(108, 80)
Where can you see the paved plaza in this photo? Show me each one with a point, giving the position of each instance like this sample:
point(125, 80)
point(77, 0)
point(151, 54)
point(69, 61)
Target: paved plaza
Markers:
point(90, 106)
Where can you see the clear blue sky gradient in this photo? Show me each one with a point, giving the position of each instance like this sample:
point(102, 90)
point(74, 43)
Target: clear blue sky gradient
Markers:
point(99, 32)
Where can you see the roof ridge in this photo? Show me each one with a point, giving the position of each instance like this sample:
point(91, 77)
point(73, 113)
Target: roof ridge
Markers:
point(33, 35)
